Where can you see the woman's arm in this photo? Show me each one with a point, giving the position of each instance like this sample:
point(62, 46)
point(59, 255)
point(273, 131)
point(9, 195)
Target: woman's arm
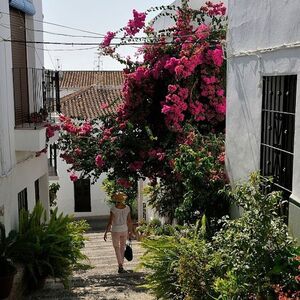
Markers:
point(108, 225)
point(129, 224)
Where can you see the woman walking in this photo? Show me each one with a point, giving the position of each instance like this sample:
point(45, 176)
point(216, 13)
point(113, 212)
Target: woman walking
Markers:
point(120, 225)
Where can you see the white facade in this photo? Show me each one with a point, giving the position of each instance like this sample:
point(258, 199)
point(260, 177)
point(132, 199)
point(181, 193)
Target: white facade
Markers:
point(19, 168)
point(258, 34)
point(65, 195)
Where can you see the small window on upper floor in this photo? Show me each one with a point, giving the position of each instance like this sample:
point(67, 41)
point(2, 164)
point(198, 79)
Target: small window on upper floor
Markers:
point(52, 160)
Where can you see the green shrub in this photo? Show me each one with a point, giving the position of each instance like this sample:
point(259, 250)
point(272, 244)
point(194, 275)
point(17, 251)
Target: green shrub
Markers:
point(49, 248)
point(256, 248)
point(176, 263)
point(248, 257)
point(162, 258)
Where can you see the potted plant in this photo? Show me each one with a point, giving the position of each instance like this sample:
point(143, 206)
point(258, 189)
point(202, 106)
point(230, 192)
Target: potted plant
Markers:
point(7, 268)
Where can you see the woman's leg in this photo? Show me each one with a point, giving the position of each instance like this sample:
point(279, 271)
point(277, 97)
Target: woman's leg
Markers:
point(123, 238)
point(116, 243)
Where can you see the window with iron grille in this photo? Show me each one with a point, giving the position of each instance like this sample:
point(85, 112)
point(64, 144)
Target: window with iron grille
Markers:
point(52, 160)
point(37, 190)
point(22, 200)
point(278, 129)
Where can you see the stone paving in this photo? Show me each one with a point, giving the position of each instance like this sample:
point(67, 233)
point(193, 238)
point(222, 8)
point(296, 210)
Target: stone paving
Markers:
point(103, 281)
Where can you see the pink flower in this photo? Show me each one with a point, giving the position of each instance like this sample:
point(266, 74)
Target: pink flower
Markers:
point(124, 182)
point(73, 177)
point(172, 88)
point(86, 128)
point(122, 126)
point(166, 109)
point(161, 156)
point(104, 106)
point(220, 92)
point(108, 38)
point(221, 108)
point(78, 151)
point(171, 64)
point(202, 32)
point(221, 158)
point(136, 165)
point(134, 25)
point(217, 57)
point(210, 80)
point(99, 161)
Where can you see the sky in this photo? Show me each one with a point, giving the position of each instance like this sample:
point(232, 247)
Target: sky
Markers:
point(97, 16)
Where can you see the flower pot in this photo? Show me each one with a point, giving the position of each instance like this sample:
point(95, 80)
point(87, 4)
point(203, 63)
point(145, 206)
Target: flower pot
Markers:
point(6, 282)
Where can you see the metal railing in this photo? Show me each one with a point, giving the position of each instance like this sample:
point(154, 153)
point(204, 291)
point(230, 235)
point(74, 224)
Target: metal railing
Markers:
point(36, 96)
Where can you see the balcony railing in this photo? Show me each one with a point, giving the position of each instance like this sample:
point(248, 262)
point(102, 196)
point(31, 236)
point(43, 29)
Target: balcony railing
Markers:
point(36, 96)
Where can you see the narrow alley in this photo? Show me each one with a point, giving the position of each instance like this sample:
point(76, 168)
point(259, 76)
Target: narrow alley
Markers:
point(103, 281)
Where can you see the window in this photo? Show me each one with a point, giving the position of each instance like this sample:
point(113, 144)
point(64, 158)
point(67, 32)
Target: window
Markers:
point(82, 195)
point(278, 129)
point(37, 190)
point(22, 200)
point(52, 160)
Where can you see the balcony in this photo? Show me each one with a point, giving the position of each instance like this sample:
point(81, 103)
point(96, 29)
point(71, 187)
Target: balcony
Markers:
point(36, 99)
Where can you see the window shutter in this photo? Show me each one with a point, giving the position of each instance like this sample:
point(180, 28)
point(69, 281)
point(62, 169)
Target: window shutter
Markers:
point(19, 62)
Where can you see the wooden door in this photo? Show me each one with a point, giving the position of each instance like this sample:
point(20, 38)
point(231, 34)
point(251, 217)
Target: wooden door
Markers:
point(82, 195)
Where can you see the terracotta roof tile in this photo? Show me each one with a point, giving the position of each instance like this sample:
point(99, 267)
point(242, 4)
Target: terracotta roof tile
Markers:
point(78, 79)
point(92, 102)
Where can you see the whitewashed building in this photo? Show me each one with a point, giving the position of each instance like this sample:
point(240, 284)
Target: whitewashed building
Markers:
point(23, 175)
point(263, 96)
point(83, 94)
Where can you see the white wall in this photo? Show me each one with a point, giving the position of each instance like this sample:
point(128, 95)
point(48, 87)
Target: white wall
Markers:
point(166, 21)
point(254, 25)
point(35, 54)
point(65, 195)
point(23, 176)
point(7, 159)
point(18, 170)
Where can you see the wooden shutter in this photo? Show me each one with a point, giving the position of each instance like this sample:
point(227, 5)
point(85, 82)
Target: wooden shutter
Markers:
point(19, 63)
point(82, 195)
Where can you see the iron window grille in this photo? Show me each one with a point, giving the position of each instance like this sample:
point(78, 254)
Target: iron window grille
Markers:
point(277, 133)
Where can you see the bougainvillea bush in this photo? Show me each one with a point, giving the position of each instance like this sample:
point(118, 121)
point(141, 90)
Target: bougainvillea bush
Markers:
point(173, 91)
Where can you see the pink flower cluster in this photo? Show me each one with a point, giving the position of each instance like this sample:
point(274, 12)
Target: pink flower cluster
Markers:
point(73, 177)
point(124, 182)
point(174, 106)
point(99, 161)
point(157, 154)
point(136, 24)
point(212, 9)
point(78, 151)
point(136, 165)
point(108, 38)
point(86, 128)
point(202, 32)
point(217, 56)
point(50, 130)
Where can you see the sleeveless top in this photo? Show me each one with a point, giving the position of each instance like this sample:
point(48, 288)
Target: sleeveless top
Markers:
point(119, 222)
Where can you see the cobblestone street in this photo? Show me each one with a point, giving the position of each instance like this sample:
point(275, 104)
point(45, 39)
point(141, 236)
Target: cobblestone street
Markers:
point(103, 281)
